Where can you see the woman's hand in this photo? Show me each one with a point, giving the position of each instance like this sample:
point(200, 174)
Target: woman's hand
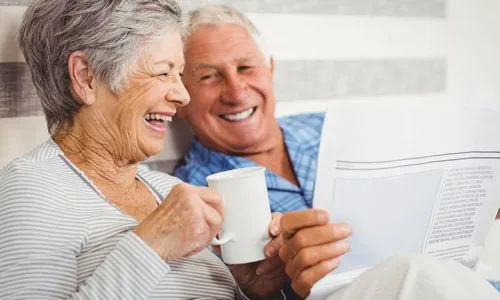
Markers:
point(264, 279)
point(185, 223)
point(312, 248)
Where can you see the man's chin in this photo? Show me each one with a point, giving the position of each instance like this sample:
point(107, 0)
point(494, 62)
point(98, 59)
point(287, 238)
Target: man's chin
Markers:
point(249, 147)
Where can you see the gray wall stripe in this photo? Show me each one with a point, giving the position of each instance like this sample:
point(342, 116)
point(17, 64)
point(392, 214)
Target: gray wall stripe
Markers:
point(294, 80)
point(14, 2)
point(404, 8)
point(18, 97)
point(300, 80)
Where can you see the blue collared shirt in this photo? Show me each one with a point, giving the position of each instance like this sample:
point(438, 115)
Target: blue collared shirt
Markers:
point(302, 134)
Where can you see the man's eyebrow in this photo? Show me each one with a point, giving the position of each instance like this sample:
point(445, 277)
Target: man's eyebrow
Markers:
point(244, 59)
point(236, 61)
point(203, 66)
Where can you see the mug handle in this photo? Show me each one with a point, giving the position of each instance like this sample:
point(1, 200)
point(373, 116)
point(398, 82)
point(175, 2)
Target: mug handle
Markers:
point(223, 240)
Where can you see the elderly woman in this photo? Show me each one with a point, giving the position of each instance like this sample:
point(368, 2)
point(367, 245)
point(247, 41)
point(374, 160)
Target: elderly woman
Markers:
point(79, 219)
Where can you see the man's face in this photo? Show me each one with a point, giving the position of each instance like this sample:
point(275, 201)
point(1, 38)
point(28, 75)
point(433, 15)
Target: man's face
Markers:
point(231, 88)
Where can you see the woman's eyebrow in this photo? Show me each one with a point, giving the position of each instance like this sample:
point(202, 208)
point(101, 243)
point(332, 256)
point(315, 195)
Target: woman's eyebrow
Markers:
point(170, 64)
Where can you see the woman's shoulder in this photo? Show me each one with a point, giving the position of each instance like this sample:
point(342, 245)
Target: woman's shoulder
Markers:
point(38, 160)
point(23, 176)
point(35, 177)
point(40, 164)
point(35, 209)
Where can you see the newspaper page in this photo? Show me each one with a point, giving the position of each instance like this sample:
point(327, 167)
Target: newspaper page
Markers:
point(409, 177)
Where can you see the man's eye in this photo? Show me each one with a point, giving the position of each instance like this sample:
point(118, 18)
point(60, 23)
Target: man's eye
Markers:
point(205, 77)
point(243, 68)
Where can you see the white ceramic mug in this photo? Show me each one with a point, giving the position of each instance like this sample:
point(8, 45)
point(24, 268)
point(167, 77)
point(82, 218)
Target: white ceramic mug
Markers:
point(247, 215)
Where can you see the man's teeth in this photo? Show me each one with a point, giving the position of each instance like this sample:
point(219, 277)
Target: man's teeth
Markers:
point(158, 117)
point(239, 116)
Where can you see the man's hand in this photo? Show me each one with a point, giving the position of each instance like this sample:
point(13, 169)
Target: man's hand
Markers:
point(264, 279)
point(312, 247)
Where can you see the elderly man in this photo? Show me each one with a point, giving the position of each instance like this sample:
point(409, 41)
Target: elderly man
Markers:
point(229, 77)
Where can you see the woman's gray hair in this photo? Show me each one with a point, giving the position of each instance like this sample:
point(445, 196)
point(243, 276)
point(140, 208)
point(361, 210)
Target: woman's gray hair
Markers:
point(223, 14)
point(111, 33)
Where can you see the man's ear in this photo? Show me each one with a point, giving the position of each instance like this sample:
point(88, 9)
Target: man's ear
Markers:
point(82, 78)
point(271, 64)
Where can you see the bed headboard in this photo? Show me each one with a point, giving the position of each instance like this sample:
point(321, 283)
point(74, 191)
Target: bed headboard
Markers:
point(323, 50)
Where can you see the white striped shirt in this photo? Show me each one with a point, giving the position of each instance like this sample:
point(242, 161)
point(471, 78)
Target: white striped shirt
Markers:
point(60, 239)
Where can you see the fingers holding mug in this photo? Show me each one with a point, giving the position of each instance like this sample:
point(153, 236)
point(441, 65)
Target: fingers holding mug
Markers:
point(213, 208)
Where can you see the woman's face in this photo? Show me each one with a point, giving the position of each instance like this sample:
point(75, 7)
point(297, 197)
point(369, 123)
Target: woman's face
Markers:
point(135, 121)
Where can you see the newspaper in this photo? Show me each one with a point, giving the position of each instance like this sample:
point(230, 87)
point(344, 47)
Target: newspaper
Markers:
point(409, 177)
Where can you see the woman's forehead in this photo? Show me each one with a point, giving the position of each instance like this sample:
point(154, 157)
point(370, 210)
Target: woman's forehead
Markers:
point(164, 50)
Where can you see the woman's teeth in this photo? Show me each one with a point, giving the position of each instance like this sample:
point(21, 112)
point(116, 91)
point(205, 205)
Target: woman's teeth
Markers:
point(239, 116)
point(158, 117)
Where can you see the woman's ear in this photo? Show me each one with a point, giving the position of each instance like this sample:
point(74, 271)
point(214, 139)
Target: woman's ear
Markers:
point(82, 78)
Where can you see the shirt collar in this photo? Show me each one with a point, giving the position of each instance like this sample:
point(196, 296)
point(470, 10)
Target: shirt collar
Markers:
point(228, 162)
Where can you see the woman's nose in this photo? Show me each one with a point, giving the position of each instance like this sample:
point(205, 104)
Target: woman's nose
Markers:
point(178, 94)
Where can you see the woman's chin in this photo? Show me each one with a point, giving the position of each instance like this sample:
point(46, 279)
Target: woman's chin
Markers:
point(153, 148)
point(154, 152)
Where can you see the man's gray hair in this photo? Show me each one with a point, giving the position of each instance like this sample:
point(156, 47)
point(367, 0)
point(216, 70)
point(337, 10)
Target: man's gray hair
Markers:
point(111, 33)
point(223, 14)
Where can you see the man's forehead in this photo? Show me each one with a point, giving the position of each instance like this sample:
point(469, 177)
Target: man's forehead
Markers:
point(220, 38)
point(213, 62)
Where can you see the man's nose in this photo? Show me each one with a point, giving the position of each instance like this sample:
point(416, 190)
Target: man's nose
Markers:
point(235, 90)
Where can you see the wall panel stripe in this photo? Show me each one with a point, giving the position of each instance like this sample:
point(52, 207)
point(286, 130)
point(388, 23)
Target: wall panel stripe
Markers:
point(10, 19)
point(405, 8)
point(291, 37)
point(287, 37)
point(14, 2)
point(18, 97)
point(296, 80)
point(310, 80)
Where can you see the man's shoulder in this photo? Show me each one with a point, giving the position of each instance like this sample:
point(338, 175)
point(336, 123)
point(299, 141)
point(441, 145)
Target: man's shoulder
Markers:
point(310, 120)
point(193, 172)
point(198, 163)
point(304, 128)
